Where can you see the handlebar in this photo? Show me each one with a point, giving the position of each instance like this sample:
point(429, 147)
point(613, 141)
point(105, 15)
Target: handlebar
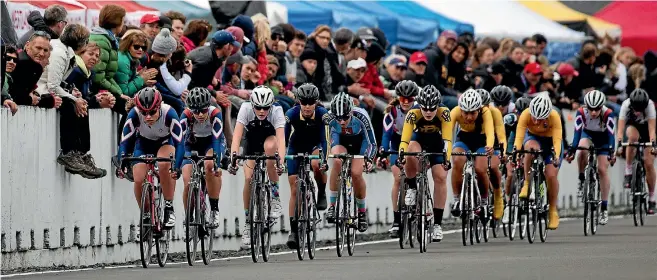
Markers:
point(256, 157)
point(346, 156)
point(149, 159)
point(470, 154)
point(196, 158)
point(298, 156)
point(387, 153)
point(637, 144)
point(591, 148)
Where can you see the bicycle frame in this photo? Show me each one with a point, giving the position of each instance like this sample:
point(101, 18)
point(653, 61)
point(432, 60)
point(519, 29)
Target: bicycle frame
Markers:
point(345, 221)
point(638, 184)
point(305, 211)
point(197, 210)
point(468, 205)
point(591, 196)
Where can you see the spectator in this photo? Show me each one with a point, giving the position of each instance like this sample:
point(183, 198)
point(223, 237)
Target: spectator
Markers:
point(177, 23)
point(52, 22)
point(530, 81)
point(150, 25)
point(319, 41)
point(637, 77)
point(650, 58)
point(246, 24)
point(249, 74)
point(82, 77)
point(505, 48)
point(417, 65)
point(453, 76)
point(110, 23)
point(206, 60)
point(288, 33)
point(394, 72)
point(530, 49)
point(294, 50)
point(371, 80)
point(541, 43)
point(436, 55)
point(284, 98)
point(162, 49)
point(355, 71)
point(589, 77)
point(366, 34)
point(514, 64)
point(132, 48)
point(9, 58)
point(358, 50)
point(569, 93)
point(195, 34)
point(483, 57)
point(492, 42)
point(262, 34)
point(623, 58)
point(307, 69)
point(341, 45)
point(271, 47)
point(28, 71)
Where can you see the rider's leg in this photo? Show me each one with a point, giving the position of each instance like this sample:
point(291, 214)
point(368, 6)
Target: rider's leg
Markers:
point(551, 173)
point(439, 175)
point(320, 178)
point(496, 181)
point(582, 158)
point(457, 179)
point(270, 148)
point(603, 165)
point(529, 144)
point(632, 137)
point(411, 168)
point(139, 171)
point(246, 193)
point(334, 177)
point(481, 168)
point(187, 177)
point(168, 184)
point(509, 178)
point(212, 182)
point(395, 194)
point(360, 192)
point(649, 165)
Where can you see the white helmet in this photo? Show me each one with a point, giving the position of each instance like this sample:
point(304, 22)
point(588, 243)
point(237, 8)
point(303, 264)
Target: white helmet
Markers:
point(470, 101)
point(262, 96)
point(541, 106)
point(595, 99)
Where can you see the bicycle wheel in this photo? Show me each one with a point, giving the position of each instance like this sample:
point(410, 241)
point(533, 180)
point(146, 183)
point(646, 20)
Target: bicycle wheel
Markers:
point(430, 220)
point(340, 219)
point(422, 214)
point(267, 222)
point(311, 235)
point(512, 224)
point(301, 213)
point(191, 236)
point(465, 214)
point(494, 224)
point(163, 239)
point(146, 230)
point(351, 207)
point(643, 199)
point(485, 225)
point(532, 209)
point(255, 219)
point(595, 208)
point(403, 219)
point(586, 198)
point(208, 234)
point(636, 199)
point(542, 226)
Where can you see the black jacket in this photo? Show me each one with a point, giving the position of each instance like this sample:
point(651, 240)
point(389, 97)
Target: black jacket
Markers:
point(513, 72)
point(25, 78)
point(206, 63)
point(38, 24)
point(436, 59)
point(455, 75)
point(337, 76)
point(418, 79)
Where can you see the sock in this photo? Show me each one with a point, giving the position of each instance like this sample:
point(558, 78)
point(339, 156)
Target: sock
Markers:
point(214, 204)
point(603, 206)
point(438, 216)
point(411, 182)
point(293, 225)
point(581, 176)
point(274, 189)
point(333, 197)
point(360, 203)
point(246, 213)
point(168, 204)
point(628, 169)
point(396, 217)
point(457, 198)
point(651, 196)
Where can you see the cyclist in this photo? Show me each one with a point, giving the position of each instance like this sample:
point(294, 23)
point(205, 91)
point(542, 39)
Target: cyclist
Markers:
point(501, 96)
point(500, 140)
point(637, 121)
point(539, 128)
point(428, 128)
point(263, 123)
point(477, 134)
point(510, 123)
point(594, 123)
point(202, 127)
point(157, 131)
point(393, 123)
point(351, 132)
point(306, 133)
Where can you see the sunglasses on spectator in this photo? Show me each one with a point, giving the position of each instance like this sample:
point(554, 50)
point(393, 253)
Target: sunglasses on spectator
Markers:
point(261, 108)
point(276, 37)
point(406, 99)
point(199, 111)
point(150, 113)
point(139, 47)
point(307, 102)
point(10, 58)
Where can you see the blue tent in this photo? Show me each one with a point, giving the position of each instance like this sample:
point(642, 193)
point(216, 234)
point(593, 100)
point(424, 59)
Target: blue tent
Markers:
point(407, 32)
point(191, 11)
point(417, 11)
point(306, 15)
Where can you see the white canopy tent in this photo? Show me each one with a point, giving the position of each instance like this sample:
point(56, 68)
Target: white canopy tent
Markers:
point(503, 19)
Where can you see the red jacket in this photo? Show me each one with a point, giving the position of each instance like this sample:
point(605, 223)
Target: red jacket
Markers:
point(371, 80)
point(262, 66)
point(187, 44)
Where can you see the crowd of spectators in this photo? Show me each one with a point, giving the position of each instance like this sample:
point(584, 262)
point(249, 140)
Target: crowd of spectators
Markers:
point(71, 68)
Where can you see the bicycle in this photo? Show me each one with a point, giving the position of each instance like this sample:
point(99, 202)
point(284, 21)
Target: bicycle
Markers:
point(591, 189)
point(407, 223)
point(151, 225)
point(423, 215)
point(260, 220)
point(305, 211)
point(196, 226)
point(514, 203)
point(473, 217)
point(535, 207)
point(346, 212)
point(495, 224)
point(638, 184)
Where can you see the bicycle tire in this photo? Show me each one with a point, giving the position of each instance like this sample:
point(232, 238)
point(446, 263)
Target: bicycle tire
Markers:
point(162, 241)
point(191, 230)
point(543, 214)
point(352, 211)
point(532, 209)
point(339, 220)
point(145, 231)
point(403, 231)
point(513, 216)
point(265, 234)
point(595, 207)
point(422, 214)
point(300, 211)
point(465, 215)
point(586, 199)
point(636, 200)
point(311, 236)
point(485, 226)
point(494, 224)
point(643, 200)
point(430, 222)
point(255, 217)
point(207, 240)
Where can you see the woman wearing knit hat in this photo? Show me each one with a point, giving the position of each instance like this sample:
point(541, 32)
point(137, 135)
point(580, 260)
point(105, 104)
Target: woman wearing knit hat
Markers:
point(162, 49)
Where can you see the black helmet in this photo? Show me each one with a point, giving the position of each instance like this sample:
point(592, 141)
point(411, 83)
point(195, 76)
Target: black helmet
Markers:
point(307, 91)
point(485, 96)
point(501, 95)
point(522, 103)
point(639, 99)
point(198, 98)
point(429, 98)
point(148, 99)
point(407, 88)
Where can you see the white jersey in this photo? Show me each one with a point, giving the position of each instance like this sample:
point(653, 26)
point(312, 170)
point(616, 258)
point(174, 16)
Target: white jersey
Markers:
point(588, 123)
point(626, 113)
point(204, 128)
point(248, 118)
point(160, 128)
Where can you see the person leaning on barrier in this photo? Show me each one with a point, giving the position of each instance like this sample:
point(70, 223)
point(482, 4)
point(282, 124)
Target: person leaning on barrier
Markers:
point(9, 56)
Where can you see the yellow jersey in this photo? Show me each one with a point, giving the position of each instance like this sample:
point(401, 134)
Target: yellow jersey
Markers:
point(487, 124)
point(416, 123)
point(550, 127)
point(498, 122)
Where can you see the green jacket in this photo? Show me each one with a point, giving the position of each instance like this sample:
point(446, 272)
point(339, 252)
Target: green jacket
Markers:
point(126, 76)
point(106, 68)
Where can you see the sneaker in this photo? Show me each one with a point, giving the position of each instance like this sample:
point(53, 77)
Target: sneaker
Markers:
point(651, 207)
point(276, 208)
point(171, 218)
point(362, 222)
point(505, 217)
point(330, 214)
point(627, 181)
point(437, 234)
point(580, 189)
point(214, 219)
point(94, 172)
point(72, 162)
point(321, 200)
point(292, 241)
point(456, 208)
point(394, 230)
point(604, 217)
point(553, 219)
point(246, 236)
point(410, 197)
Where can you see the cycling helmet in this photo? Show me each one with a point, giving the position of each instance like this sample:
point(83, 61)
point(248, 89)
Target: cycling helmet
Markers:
point(307, 91)
point(198, 98)
point(342, 105)
point(262, 96)
point(470, 101)
point(540, 107)
point(595, 99)
point(501, 95)
point(148, 99)
point(429, 98)
point(485, 96)
point(407, 88)
point(639, 99)
point(522, 103)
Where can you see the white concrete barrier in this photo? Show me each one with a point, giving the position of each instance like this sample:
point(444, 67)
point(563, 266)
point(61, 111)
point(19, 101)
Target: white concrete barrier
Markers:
point(52, 218)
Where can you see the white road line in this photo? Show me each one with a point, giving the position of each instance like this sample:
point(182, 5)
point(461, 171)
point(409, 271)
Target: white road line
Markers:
point(242, 257)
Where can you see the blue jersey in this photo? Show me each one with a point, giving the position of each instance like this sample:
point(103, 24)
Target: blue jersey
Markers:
point(167, 126)
point(359, 125)
point(212, 127)
point(601, 128)
point(305, 134)
point(393, 124)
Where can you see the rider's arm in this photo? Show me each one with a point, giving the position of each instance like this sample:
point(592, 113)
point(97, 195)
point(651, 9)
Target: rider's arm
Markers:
point(557, 132)
point(365, 119)
point(218, 137)
point(240, 124)
point(279, 125)
point(650, 115)
point(407, 130)
point(289, 116)
point(579, 127)
point(622, 120)
point(455, 116)
point(322, 138)
point(388, 129)
point(176, 134)
point(498, 122)
point(488, 127)
point(611, 124)
point(446, 130)
point(129, 132)
point(521, 129)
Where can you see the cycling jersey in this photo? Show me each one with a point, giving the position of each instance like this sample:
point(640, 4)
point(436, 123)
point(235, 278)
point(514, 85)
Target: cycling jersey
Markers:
point(511, 108)
point(600, 130)
point(433, 135)
point(548, 128)
point(498, 122)
point(358, 131)
point(476, 135)
point(258, 130)
point(393, 123)
point(165, 131)
point(304, 135)
point(203, 136)
point(627, 113)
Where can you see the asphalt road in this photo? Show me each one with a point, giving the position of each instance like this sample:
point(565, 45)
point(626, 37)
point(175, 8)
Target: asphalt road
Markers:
point(618, 251)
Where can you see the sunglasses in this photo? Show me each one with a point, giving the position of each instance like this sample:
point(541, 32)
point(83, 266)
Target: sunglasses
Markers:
point(343, 118)
point(199, 111)
point(594, 109)
point(429, 109)
point(406, 99)
point(150, 113)
point(10, 59)
point(139, 47)
point(276, 37)
point(307, 102)
point(261, 108)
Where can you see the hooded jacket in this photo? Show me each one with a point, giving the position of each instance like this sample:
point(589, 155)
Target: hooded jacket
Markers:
point(25, 77)
point(35, 19)
point(126, 75)
point(206, 63)
point(108, 63)
point(454, 74)
point(61, 64)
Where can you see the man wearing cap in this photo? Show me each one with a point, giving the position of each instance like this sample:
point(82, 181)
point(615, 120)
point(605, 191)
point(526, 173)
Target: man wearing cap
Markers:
point(355, 71)
point(568, 89)
point(417, 65)
point(530, 80)
point(277, 35)
point(357, 50)
point(437, 54)
point(249, 47)
point(150, 24)
point(366, 34)
point(207, 59)
point(394, 72)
